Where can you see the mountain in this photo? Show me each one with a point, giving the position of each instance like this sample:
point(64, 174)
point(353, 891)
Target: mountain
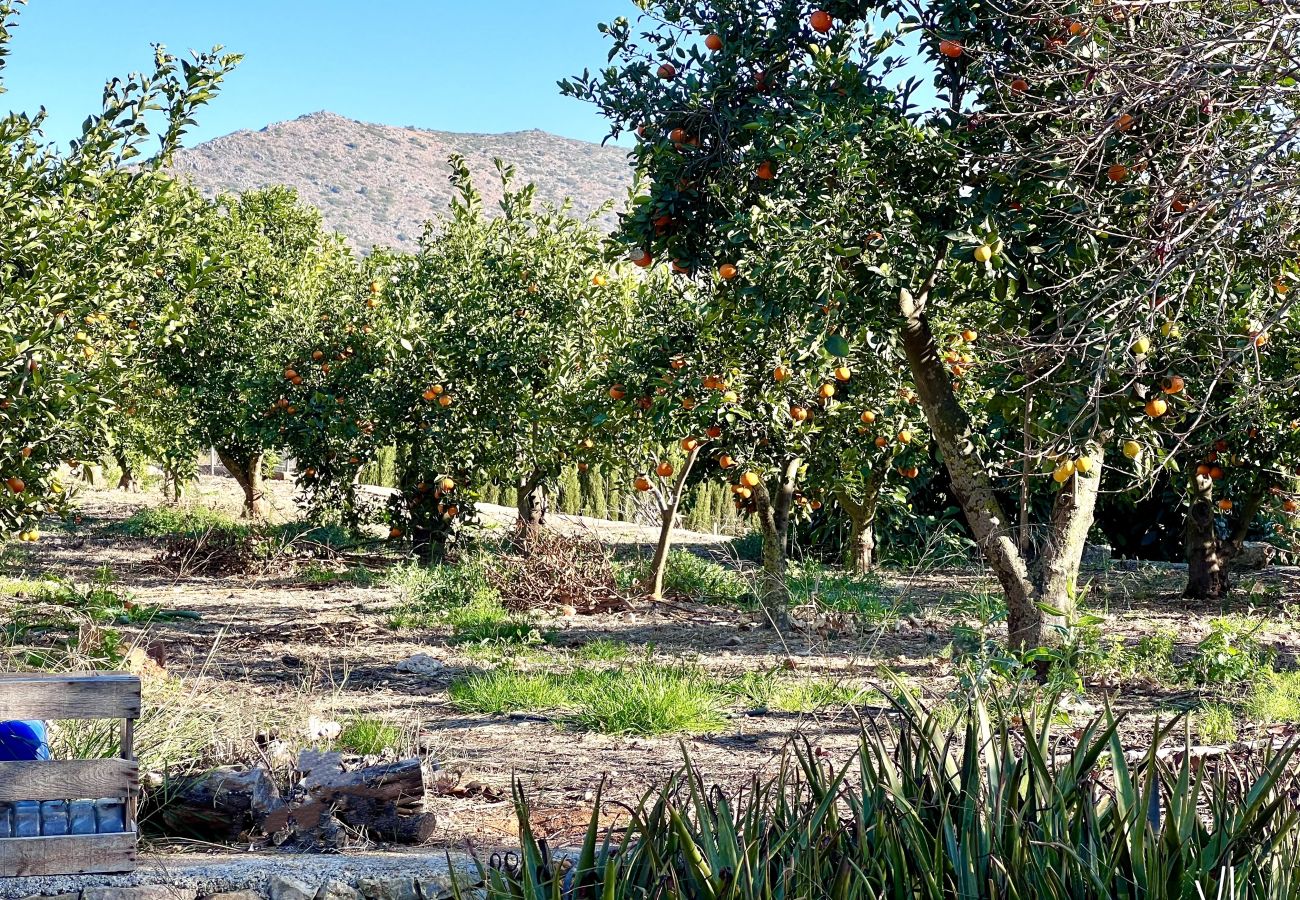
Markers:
point(379, 184)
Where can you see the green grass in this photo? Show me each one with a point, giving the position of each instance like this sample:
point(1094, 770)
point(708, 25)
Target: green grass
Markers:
point(459, 596)
point(187, 521)
point(602, 650)
point(358, 576)
point(1275, 698)
point(771, 690)
point(693, 577)
point(368, 737)
point(649, 700)
point(861, 595)
point(505, 690)
point(1216, 723)
point(641, 699)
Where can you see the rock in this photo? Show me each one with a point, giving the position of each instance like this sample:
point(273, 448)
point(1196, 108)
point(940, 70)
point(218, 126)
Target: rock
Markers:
point(333, 889)
point(421, 664)
point(400, 887)
point(435, 886)
point(1254, 555)
point(140, 892)
point(1096, 556)
point(734, 641)
point(286, 887)
point(235, 895)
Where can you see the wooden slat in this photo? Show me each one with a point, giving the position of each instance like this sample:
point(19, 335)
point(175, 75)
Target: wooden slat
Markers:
point(69, 697)
point(74, 779)
point(80, 854)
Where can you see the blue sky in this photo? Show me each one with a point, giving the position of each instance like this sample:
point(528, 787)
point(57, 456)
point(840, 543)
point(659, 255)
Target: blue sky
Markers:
point(486, 66)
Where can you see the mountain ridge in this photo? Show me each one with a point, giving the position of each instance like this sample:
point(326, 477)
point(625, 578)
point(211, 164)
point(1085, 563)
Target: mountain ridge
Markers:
point(380, 184)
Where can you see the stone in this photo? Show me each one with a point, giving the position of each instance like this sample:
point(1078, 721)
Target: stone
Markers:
point(1253, 555)
point(286, 887)
point(139, 892)
point(1096, 556)
point(400, 887)
point(421, 664)
point(333, 889)
point(235, 895)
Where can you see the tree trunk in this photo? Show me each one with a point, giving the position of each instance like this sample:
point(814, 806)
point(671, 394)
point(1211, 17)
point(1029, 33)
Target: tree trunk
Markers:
point(1208, 556)
point(861, 553)
point(531, 504)
point(125, 481)
point(246, 469)
point(774, 523)
point(653, 585)
point(994, 533)
point(1057, 564)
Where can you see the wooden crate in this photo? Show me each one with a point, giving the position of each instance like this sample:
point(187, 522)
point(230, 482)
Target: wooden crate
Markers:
point(63, 697)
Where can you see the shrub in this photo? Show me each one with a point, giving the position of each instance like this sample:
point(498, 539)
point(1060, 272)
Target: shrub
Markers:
point(692, 577)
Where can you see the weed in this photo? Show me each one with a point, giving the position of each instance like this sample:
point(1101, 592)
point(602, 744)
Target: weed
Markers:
point(180, 521)
point(1275, 698)
point(358, 576)
point(602, 650)
point(692, 577)
point(1216, 723)
point(1230, 653)
point(861, 595)
point(649, 699)
point(369, 737)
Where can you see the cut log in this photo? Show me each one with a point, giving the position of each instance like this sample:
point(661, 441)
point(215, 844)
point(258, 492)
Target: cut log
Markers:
point(225, 804)
point(386, 802)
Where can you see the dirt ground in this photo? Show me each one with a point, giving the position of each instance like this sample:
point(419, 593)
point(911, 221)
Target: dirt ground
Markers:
point(274, 640)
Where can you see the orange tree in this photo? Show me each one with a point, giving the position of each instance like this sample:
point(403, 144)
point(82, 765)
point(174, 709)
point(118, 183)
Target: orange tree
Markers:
point(1082, 167)
point(82, 231)
point(470, 361)
point(258, 271)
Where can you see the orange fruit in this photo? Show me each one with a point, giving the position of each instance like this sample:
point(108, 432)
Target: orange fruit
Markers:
point(290, 374)
point(1019, 86)
point(843, 373)
point(1124, 122)
point(826, 391)
point(905, 436)
point(798, 413)
point(688, 403)
point(447, 485)
point(727, 271)
point(821, 21)
point(394, 532)
point(725, 462)
point(867, 417)
point(951, 49)
point(429, 395)
point(642, 483)
point(1290, 506)
point(1179, 205)
point(667, 71)
point(599, 280)
point(969, 335)
point(643, 259)
point(765, 171)
point(1156, 407)
point(713, 42)
point(678, 135)
point(617, 393)
point(317, 355)
point(1173, 384)
point(1216, 473)
point(16, 484)
point(1117, 172)
point(749, 479)
point(882, 441)
point(677, 362)
point(780, 373)
point(582, 467)
point(1202, 469)
point(444, 400)
point(689, 444)
point(743, 492)
point(664, 470)
point(714, 431)
point(1225, 504)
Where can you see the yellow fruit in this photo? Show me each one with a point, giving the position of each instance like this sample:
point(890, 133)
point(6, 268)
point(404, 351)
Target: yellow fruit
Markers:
point(780, 373)
point(905, 436)
point(1156, 407)
point(843, 373)
point(826, 391)
point(868, 417)
point(749, 479)
point(983, 253)
point(1132, 449)
point(730, 397)
point(1083, 465)
point(1063, 472)
point(1142, 346)
point(1169, 330)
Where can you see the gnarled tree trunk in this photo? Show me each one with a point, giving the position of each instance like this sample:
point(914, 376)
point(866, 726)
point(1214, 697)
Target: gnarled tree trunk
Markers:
point(653, 584)
point(1056, 567)
point(773, 510)
point(531, 503)
point(246, 469)
point(1208, 555)
point(861, 553)
point(125, 481)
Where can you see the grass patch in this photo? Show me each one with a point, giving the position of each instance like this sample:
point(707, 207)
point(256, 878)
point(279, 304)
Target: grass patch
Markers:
point(1216, 723)
point(506, 690)
point(603, 650)
point(369, 737)
point(462, 597)
point(1275, 698)
point(357, 576)
point(650, 700)
point(860, 595)
point(180, 521)
point(693, 577)
point(769, 690)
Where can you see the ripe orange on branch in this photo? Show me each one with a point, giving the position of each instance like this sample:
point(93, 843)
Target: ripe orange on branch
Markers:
point(713, 42)
point(821, 21)
point(1174, 384)
point(642, 483)
point(1156, 407)
point(951, 49)
point(664, 470)
point(765, 171)
point(727, 271)
point(749, 479)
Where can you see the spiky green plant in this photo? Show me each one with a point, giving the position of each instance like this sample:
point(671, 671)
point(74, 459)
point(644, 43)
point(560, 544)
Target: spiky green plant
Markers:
point(920, 813)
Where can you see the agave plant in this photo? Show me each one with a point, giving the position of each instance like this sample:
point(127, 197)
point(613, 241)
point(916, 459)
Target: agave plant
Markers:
point(1004, 808)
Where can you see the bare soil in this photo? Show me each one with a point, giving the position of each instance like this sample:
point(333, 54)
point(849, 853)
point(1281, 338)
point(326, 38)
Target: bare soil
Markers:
point(272, 640)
